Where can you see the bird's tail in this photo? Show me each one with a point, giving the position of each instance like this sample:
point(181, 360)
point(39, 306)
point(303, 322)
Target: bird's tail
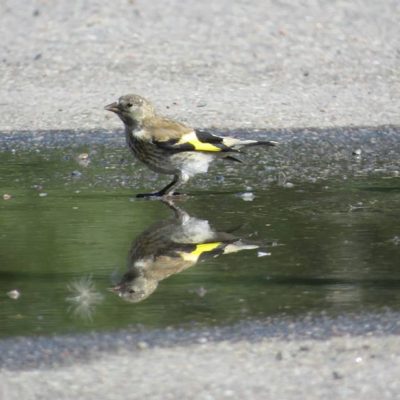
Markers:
point(248, 143)
point(236, 144)
point(239, 245)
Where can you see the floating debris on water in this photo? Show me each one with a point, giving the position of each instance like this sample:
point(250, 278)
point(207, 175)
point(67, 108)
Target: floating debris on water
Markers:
point(356, 207)
point(288, 185)
point(14, 294)
point(83, 159)
point(76, 174)
point(7, 196)
point(248, 196)
point(84, 297)
point(83, 156)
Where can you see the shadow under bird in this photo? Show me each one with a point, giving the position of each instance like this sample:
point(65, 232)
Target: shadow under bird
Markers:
point(170, 147)
point(169, 247)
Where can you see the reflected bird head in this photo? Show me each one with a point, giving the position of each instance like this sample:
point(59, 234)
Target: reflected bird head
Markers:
point(136, 290)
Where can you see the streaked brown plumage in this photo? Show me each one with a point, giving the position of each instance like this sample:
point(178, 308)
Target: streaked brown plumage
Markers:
point(170, 147)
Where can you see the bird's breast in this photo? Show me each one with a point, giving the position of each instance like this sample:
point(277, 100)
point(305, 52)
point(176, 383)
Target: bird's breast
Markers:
point(151, 155)
point(192, 163)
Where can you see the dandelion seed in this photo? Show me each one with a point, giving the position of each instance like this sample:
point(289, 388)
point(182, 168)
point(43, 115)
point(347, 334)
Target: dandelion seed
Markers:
point(84, 297)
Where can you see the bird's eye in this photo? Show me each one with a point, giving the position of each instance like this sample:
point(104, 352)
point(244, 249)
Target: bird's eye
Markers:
point(129, 105)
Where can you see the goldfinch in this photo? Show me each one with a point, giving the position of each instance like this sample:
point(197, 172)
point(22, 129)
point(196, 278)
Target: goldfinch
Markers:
point(169, 247)
point(170, 147)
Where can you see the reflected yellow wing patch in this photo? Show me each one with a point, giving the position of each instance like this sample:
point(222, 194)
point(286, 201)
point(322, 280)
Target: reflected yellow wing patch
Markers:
point(199, 250)
point(191, 138)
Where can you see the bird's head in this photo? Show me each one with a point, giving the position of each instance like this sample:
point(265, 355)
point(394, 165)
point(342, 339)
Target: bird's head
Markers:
point(132, 109)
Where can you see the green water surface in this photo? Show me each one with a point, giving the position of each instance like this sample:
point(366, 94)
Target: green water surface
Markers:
point(65, 238)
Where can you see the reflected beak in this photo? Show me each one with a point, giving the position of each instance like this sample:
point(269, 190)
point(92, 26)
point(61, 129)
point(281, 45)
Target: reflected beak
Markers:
point(113, 107)
point(114, 289)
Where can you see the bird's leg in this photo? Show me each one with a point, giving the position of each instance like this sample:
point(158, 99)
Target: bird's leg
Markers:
point(180, 214)
point(169, 189)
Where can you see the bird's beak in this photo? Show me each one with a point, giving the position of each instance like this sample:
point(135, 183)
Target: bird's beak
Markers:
point(113, 107)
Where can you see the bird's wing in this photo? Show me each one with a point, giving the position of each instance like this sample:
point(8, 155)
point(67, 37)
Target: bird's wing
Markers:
point(198, 140)
point(176, 137)
point(193, 252)
point(164, 130)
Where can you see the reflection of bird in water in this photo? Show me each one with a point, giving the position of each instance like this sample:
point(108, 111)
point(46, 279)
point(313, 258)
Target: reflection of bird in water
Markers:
point(169, 247)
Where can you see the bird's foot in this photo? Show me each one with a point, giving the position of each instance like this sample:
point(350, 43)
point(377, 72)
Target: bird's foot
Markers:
point(157, 195)
point(173, 194)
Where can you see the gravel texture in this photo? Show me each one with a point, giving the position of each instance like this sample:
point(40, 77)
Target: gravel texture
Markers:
point(341, 368)
point(314, 357)
point(250, 64)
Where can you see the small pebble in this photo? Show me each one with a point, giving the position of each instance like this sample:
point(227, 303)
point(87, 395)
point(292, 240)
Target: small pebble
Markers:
point(336, 375)
point(142, 345)
point(288, 185)
point(14, 294)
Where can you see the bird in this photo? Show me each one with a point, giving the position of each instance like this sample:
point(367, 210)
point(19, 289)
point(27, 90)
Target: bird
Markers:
point(171, 246)
point(170, 147)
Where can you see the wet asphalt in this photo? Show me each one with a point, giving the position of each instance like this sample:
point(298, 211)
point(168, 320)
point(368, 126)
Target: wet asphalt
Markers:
point(338, 356)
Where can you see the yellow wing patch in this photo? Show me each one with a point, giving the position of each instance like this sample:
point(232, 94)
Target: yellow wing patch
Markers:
point(192, 139)
point(199, 250)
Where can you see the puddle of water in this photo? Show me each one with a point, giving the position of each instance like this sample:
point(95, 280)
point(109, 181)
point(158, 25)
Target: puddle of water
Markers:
point(72, 240)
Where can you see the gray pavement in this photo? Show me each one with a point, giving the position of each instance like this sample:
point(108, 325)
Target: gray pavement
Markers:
point(248, 64)
point(340, 368)
point(313, 357)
